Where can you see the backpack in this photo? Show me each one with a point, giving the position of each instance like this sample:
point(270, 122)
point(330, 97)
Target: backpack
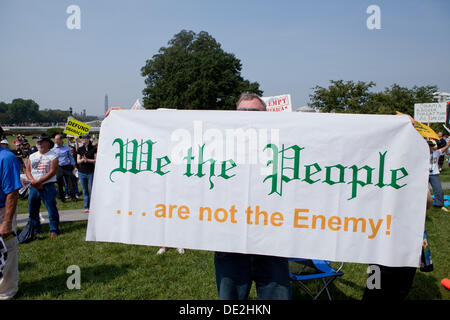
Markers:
point(27, 234)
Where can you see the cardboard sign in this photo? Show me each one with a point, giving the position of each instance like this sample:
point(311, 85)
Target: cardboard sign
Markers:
point(430, 112)
point(76, 128)
point(335, 186)
point(278, 103)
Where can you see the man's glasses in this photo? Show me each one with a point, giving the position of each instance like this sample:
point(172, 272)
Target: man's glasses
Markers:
point(249, 109)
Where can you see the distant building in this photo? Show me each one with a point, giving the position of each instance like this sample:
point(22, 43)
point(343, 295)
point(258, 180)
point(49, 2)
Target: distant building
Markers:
point(441, 96)
point(106, 103)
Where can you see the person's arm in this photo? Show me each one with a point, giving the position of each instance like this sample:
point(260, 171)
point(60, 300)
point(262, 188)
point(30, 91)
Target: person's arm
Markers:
point(10, 211)
point(72, 161)
point(92, 160)
point(50, 173)
point(28, 171)
point(444, 149)
point(79, 159)
point(112, 108)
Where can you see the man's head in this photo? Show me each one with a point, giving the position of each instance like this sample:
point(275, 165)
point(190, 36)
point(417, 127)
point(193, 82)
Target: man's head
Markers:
point(25, 144)
point(44, 144)
point(5, 144)
point(85, 139)
point(250, 102)
point(432, 144)
point(59, 140)
point(440, 134)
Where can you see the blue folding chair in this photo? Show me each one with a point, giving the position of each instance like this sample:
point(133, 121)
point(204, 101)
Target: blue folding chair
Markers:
point(322, 272)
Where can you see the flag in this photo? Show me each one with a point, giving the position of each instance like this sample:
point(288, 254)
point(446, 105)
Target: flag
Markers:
point(3, 256)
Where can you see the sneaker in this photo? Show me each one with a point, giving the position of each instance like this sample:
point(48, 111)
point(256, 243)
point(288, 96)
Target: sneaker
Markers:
point(161, 251)
point(53, 235)
point(445, 209)
point(180, 250)
point(86, 210)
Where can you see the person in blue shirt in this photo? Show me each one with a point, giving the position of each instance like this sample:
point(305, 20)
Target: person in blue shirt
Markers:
point(9, 194)
point(65, 169)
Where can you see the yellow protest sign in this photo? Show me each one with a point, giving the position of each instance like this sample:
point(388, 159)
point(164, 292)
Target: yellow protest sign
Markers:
point(76, 128)
point(424, 130)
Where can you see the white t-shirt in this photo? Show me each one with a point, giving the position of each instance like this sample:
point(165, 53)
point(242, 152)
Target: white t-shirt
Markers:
point(40, 164)
point(434, 157)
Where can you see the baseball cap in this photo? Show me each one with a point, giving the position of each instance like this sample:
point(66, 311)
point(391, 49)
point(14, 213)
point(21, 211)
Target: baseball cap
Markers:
point(45, 137)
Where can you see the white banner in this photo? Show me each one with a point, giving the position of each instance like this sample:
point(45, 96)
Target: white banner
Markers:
point(281, 103)
point(319, 186)
point(430, 112)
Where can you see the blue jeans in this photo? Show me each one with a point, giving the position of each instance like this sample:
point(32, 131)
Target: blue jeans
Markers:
point(48, 195)
point(235, 272)
point(437, 190)
point(86, 184)
point(75, 187)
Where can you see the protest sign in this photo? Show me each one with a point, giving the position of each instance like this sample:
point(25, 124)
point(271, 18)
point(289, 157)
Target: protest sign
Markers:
point(340, 187)
point(430, 112)
point(76, 128)
point(137, 106)
point(278, 103)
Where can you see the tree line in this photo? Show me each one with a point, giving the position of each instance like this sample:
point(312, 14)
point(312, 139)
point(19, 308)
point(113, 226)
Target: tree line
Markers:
point(25, 111)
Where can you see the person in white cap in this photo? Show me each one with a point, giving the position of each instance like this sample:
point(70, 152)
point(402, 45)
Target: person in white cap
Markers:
point(5, 144)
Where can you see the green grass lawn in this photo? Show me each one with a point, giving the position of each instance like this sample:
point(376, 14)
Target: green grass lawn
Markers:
point(67, 205)
point(118, 271)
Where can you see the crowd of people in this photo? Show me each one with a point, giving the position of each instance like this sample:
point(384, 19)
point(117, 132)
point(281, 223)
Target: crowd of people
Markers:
point(37, 169)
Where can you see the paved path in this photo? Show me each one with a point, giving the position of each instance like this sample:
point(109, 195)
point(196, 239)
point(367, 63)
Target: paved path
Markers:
point(445, 185)
point(64, 216)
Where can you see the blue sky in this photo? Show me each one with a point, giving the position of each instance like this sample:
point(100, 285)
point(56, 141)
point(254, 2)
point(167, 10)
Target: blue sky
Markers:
point(286, 46)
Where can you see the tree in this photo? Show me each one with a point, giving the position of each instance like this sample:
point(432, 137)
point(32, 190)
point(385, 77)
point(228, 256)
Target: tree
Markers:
point(340, 96)
point(21, 110)
point(194, 72)
point(353, 97)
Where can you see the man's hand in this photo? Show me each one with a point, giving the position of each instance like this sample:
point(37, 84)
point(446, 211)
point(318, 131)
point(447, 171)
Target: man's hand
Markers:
point(5, 229)
point(10, 211)
point(112, 108)
point(36, 184)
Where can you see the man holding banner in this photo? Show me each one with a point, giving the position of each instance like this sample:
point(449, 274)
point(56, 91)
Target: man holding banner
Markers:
point(235, 271)
point(165, 179)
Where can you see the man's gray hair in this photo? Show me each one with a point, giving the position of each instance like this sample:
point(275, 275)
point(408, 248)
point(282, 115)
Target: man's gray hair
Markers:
point(250, 96)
